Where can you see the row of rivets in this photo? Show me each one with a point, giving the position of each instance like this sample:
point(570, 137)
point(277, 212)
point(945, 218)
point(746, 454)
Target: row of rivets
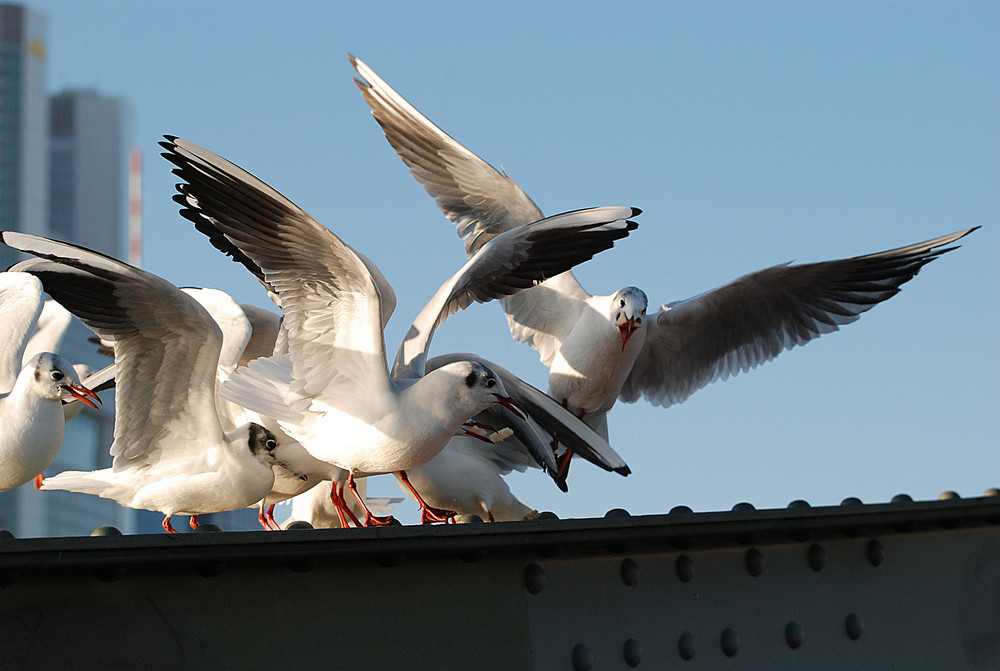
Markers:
point(534, 575)
point(583, 658)
point(729, 641)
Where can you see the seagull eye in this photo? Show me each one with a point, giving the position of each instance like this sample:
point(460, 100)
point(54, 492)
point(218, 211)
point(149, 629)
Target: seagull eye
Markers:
point(623, 302)
point(271, 444)
point(56, 375)
point(491, 382)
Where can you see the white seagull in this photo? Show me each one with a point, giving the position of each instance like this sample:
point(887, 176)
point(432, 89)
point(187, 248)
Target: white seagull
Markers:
point(32, 422)
point(603, 348)
point(332, 392)
point(467, 475)
point(173, 451)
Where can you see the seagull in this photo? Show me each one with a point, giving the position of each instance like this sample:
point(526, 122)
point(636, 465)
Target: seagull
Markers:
point(32, 421)
point(173, 450)
point(32, 424)
point(467, 475)
point(332, 391)
point(601, 348)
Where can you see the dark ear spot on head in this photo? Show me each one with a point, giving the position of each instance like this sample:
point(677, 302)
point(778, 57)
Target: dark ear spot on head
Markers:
point(257, 437)
point(470, 380)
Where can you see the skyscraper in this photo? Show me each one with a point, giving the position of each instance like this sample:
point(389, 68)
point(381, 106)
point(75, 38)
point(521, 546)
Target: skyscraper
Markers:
point(64, 174)
point(90, 139)
point(65, 169)
point(24, 124)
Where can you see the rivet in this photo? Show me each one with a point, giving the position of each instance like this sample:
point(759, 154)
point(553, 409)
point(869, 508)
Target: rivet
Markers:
point(105, 531)
point(209, 570)
point(743, 507)
point(681, 510)
point(109, 574)
point(730, 642)
point(632, 652)
point(685, 568)
point(206, 528)
point(902, 498)
point(630, 572)
point(875, 552)
point(616, 513)
point(798, 504)
point(992, 491)
point(854, 626)
point(948, 496)
point(6, 535)
point(468, 519)
point(817, 557)
point(298, 525)
point(851, 501)
point(755, 562)
point(685, 646)
point(583, 658)
point(794, 635)
point(547, 515)
point(534, 578)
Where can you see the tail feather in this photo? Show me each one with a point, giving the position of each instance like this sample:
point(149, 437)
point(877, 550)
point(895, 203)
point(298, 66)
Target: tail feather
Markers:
point(83, 482)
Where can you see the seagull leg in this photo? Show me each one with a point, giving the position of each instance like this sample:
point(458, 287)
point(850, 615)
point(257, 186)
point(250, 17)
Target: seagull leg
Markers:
point(193, 522)
point(340, 503)
point(562, 462)
point(269, 517)
point(370, 520)
point(167, 526)
point(428, 513)
point(266, 517)
point(38, 480)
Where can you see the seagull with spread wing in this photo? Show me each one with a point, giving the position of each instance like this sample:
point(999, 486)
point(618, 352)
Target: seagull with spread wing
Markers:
point(603, 348)
point(332, 391)
point(177, 449)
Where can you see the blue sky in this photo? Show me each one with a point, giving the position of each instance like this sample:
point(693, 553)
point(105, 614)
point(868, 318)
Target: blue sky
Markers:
point(749, 133)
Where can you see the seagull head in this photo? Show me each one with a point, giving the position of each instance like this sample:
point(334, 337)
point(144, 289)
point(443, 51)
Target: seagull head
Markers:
point(480, 388)
point(262, 443)
point(54, 378)
point(628, 311)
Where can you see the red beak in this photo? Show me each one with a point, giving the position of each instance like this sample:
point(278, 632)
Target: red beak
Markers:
point(83, 394)
point(510, 404)
point(627, 329)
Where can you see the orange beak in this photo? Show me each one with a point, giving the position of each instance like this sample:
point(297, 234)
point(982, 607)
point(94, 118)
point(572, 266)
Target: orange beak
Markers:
point(82, 394)
point(627, 329)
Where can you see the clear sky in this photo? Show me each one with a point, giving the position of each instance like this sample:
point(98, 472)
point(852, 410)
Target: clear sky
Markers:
point(750, 134)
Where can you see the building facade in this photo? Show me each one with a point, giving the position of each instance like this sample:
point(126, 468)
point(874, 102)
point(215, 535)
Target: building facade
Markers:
point(64, 170)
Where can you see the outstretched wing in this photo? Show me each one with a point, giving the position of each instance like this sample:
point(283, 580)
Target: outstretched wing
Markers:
point(479, 200)
point(328, 293)
point(511, 262)
point(753, 319)
point(166, 345)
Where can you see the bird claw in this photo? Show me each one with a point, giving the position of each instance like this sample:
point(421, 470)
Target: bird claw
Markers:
point(430, 514)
